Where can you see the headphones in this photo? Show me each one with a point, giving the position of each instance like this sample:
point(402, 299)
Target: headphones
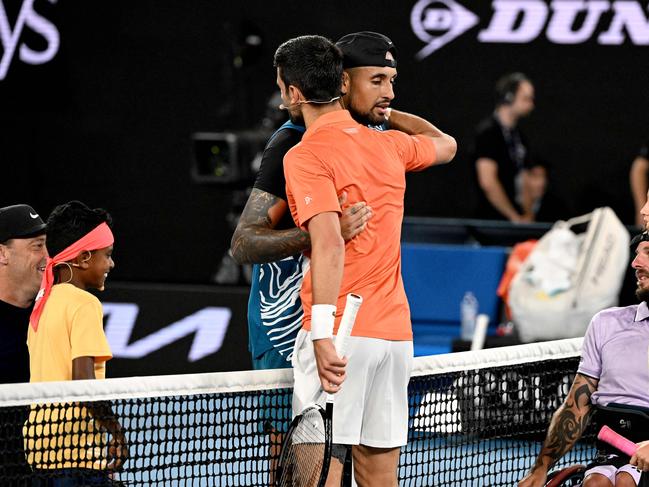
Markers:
point(507, 86)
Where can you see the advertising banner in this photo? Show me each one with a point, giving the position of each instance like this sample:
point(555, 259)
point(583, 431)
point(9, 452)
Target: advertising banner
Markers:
point(157, 329)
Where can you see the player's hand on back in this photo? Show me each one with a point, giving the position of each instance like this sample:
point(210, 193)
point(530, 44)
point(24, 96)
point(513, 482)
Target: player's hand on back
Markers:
point(354, 217)
point(331, 368)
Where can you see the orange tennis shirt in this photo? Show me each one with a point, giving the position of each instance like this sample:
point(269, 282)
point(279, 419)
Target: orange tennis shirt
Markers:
point(337, 154)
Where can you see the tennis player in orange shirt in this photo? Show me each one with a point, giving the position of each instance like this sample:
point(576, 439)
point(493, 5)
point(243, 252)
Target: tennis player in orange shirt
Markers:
point(338, 154)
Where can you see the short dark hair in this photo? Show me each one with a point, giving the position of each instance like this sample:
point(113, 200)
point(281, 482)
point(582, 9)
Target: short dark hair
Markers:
point(507, 86)
point(313, 64)
point(69, 222)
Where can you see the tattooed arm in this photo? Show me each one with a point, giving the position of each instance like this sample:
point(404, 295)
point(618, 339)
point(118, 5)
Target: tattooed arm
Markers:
point(255, 241)
point(567, 425)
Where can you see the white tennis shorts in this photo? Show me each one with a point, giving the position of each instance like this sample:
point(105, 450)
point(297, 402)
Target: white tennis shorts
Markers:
point(610, 472)
point(371, 408)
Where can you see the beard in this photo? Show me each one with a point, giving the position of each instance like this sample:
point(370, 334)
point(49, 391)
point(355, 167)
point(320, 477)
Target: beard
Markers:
point(363, 117)
point(642, 294)
point(366, 118)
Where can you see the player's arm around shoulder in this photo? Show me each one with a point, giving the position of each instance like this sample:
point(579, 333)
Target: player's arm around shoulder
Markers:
point(255, 240)
point(445, 145)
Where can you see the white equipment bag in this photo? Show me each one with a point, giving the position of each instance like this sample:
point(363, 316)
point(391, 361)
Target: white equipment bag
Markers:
point(569, 277)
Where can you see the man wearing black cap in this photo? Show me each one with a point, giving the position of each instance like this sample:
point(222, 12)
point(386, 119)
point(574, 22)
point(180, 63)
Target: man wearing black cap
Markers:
point(22, 261)
point(266, 235)
point(370, 70)
point(337, 153)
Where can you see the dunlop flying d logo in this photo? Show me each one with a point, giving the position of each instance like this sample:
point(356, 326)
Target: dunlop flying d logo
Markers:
point(438, 22)
point(562, 22)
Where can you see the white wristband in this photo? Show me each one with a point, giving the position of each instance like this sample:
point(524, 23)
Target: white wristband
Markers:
point(322, 321)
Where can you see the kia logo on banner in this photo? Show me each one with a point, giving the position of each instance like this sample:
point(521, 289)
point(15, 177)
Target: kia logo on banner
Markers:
point(208, 326)
point(438, 22)
point(10, 35)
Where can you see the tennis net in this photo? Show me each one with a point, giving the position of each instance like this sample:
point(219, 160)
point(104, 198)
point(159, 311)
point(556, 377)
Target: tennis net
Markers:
point(476, 418)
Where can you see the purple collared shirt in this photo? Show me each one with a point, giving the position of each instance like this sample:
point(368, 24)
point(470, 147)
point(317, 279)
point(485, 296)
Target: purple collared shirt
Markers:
point(616, 352)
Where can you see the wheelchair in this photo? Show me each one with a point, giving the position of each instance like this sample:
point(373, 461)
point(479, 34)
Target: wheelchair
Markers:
point(625, 420)
point(571, 476)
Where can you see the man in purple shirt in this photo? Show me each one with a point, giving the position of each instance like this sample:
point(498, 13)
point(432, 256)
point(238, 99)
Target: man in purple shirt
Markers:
point(613, 372)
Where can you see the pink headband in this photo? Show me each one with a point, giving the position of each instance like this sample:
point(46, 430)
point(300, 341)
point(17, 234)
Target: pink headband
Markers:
point(98, 238)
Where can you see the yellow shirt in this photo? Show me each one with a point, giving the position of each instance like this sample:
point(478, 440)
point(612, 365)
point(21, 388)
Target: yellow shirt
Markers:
point(71, 326)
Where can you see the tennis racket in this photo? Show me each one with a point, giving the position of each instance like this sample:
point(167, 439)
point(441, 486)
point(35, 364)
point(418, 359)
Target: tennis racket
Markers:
point(618, 441)
point(306, 452)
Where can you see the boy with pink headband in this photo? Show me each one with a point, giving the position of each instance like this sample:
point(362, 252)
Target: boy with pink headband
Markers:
point(66, 341)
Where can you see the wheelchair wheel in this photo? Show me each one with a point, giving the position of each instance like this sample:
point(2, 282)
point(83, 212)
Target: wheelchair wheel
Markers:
point(571, 476)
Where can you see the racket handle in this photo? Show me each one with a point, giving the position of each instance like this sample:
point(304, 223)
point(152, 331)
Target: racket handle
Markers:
point(616, 440)
point(354, 302)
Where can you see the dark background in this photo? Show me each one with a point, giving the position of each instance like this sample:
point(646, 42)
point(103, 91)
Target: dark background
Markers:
point(109, 119)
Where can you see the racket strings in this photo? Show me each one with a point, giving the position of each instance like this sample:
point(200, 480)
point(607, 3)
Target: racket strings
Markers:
point(302, 459)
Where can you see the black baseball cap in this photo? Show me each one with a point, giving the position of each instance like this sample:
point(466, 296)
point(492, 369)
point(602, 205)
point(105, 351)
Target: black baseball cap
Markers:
point(367, 49)
point(20, 221)
point(642, 237)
